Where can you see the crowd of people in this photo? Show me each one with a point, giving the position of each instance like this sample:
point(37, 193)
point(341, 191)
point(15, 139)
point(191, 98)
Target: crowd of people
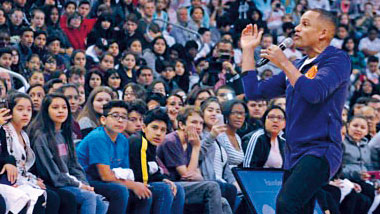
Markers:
point(125, 114)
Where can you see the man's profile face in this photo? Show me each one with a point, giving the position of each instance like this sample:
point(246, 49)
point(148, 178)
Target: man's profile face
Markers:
point(308, 31)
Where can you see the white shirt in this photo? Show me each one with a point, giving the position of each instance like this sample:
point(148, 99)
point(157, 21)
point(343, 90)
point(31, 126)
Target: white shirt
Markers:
point(274, 158)
point(365, 43)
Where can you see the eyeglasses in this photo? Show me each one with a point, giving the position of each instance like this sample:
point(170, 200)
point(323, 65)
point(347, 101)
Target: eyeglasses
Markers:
point(273, 117)
point(117, 117)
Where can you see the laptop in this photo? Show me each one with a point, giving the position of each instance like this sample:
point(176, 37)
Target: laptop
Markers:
point(261, 187)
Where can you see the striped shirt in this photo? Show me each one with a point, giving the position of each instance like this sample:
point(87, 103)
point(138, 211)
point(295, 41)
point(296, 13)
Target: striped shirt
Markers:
point(220, 161)
point(235, 157)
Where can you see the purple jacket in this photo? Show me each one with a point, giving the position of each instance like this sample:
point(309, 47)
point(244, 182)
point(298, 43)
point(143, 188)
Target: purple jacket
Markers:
point(313, 106)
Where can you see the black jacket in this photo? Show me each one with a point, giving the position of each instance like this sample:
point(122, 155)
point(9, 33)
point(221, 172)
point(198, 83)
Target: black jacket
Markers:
point(136, 149)
point(258, 147)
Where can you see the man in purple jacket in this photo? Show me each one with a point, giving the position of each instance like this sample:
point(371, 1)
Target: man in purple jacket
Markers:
point(316, 89)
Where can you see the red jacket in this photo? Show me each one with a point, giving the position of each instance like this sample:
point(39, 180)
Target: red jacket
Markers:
point(77, 37)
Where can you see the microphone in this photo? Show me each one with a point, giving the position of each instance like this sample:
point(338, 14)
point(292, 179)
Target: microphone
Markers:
point(285, 44)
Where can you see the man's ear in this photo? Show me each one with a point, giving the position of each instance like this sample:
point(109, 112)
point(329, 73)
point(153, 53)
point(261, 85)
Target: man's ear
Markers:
point(143, 129)
point(103, 120)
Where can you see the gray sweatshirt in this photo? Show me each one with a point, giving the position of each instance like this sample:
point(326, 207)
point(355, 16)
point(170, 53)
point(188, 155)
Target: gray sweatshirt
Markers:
point(71, 174)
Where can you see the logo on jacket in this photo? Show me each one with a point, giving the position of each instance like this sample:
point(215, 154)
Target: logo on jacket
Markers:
point(312, 72)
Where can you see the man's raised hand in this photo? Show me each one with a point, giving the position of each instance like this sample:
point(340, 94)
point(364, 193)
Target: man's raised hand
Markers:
point(250, 37)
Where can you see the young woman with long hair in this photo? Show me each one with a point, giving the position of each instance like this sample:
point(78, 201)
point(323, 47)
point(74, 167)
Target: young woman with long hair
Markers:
point(16, 145)
point(56, 160)
point(88, 119)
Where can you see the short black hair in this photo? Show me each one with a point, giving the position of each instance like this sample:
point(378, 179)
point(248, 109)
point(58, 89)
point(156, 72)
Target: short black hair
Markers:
point(50, 84)
point(138, 72)
point(326, 15)
point(114, 104)
point(157, 114)
point(26, 29)
point(39, 32)
point(372, 59)
point(5, 50)
point(70, 2)
point(51, 39)
point(203, 30)
point(139, 106)
point(84, 2)
point(132, 18)
point(156, 97)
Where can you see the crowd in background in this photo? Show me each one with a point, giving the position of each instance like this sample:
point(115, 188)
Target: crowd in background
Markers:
point(137, 106)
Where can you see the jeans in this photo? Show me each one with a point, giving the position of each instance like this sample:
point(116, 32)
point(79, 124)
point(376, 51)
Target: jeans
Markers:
point(179, 200)
point(115, 193)
point(206, 193)
point(162, 201)
point(138, 206)
point(91, 203)
point(228, 192)
point(300, 184)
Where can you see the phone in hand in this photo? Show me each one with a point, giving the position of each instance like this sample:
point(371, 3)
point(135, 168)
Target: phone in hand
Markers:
point(3, 103)
point(220, 119)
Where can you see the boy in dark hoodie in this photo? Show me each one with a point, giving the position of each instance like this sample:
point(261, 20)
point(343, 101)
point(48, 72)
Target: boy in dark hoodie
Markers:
point(143, 160)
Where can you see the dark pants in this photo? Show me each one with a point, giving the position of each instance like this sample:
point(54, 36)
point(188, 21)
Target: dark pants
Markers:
point(67, 203)
point(229, 192)
point(300, 185)
point(3, 206)
point(328, 198)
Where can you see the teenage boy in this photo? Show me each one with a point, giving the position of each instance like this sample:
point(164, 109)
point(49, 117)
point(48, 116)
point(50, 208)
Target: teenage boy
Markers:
point(26, 42)
point(5, 58)
point(104, 155)
point(129, 31)
point(53, 44)
point(142, 157)
point(180, 154)
point(136, 111)
point(76, 75)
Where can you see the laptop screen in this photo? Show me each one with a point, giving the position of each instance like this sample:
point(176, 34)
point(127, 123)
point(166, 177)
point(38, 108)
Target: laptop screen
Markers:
point(261, 188)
